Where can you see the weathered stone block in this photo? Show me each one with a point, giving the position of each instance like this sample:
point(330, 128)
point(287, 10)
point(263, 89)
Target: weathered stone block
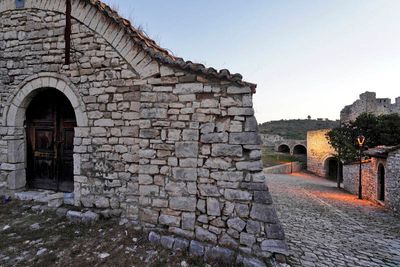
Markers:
point(253, 227)
point(149, 215)
point(238, 90)
point(232, 194)
point(249, 166)
point(205, 235)
point(263, 197)
point(208, 190)
point(247, 239)
point(149, 133)
point(234, 111)
point(188, 221)
point(217, 163)
point(196, 248)
point(101, 202)
point(181, 244)
point(275, 246)
point(224, 255)
point(188, 88)
point(223, 150)
point(149, 190)
point(184, 174)
point(190, 135)
point(154, 238)
point(264, 213)
point(74, 216)
point(90, 217)
point(249, 262)
point(153, 113)
point(236, 224)
point(187, 149)
point(167, 241)
point(214, 138)
point(228, 241)
point(245, 138)
point(169, 220)
point(183, 203)
point(227, 176)
point(274, 231)
point(213, 207)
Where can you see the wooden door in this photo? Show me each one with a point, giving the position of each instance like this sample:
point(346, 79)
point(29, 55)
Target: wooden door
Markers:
point(50, 122)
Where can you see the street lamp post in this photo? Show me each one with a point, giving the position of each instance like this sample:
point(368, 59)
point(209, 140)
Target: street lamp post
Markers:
point(360, 141)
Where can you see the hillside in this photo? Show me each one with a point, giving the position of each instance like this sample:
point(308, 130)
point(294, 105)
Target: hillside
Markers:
point(295, 129)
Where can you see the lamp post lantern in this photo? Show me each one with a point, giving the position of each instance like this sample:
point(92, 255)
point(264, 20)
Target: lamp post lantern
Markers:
point(360, 141)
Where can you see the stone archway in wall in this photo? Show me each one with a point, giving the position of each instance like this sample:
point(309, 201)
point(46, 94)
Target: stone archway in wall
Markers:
point(300, 150)
point(14, 119)
point(331, 168)
point(283, 148)
point(381, 183)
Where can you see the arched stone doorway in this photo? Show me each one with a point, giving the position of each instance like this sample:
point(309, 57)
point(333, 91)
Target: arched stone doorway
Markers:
point(50, 123)
point(300, 150)
point(381, 183)
point(15, 119)
point(332, 166)
point(284, 149)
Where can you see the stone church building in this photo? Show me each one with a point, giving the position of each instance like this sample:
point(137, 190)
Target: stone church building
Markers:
point(129, 128)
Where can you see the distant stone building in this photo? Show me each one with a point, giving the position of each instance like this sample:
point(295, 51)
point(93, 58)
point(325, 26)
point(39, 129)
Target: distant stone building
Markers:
point(130, 129)
point(270, 140)
point(368, 103)
point(280, 144)
point(380, 176)
point(320, 159)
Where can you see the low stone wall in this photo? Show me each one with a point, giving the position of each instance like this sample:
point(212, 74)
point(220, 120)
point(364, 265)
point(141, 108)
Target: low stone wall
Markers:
point(285, 168)
point(369, 177)
point(351, 178)
point(209, 253)
point(393, 181)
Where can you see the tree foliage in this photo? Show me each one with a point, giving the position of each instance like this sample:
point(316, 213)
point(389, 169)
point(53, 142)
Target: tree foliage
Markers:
point(378, 130)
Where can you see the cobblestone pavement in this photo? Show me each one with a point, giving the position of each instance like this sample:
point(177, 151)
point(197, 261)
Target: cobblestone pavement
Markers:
point(326, 226)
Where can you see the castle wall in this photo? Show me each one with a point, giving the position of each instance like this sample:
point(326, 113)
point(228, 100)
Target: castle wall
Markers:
point(368, 103)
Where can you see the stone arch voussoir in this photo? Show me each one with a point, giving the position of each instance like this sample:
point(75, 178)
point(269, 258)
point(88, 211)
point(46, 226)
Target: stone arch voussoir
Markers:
point(14, 114)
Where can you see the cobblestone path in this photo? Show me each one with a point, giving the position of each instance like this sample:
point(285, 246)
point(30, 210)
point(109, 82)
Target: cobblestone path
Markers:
point(326, 226)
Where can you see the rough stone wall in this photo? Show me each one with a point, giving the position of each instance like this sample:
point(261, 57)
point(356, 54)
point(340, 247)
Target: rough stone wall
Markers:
point(370, 104)
point(162, 147)
point(392, 181)
point(318, 151)
point(369, 178)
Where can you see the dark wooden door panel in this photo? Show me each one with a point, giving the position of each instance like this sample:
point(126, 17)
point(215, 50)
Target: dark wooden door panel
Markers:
point(50, 136)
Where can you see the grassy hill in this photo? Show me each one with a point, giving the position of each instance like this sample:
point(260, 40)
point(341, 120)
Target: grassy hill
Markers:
point(295, 129)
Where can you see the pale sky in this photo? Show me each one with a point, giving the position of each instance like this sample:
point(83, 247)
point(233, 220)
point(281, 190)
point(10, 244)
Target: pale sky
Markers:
point(308, 57)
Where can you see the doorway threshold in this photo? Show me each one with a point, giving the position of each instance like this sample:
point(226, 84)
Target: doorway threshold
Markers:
point(51, 198)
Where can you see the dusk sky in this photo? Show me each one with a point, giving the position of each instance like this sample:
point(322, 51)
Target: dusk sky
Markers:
point(308, 57)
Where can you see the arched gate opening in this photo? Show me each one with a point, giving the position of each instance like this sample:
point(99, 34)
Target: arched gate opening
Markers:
point(381, 183)
point(50, 123)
